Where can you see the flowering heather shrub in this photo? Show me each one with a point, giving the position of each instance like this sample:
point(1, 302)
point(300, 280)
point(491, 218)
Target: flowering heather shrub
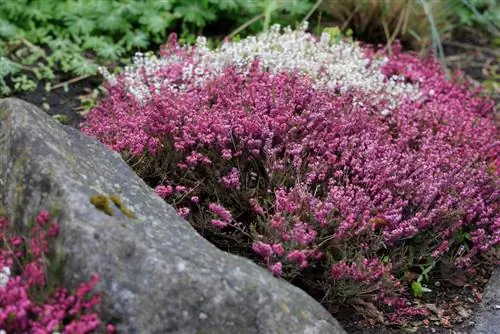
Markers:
point(30, 302)
point(334, 65)
point(318, 184)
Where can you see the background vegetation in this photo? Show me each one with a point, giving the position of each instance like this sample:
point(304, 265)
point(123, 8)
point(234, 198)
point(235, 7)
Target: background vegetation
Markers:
point(56, 43)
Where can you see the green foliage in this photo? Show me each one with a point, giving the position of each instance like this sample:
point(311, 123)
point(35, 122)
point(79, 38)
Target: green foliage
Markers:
point(336, 35)
point(43, 39)
point(417, 287)
point(483, 14)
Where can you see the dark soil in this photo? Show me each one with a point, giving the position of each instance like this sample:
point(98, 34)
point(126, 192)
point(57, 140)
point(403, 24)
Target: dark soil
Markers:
point(473, 52)
point(451, 305)
point(60, 102)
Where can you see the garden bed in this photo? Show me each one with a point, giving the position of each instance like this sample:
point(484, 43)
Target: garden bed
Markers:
point(381, 256)
point(353, 199)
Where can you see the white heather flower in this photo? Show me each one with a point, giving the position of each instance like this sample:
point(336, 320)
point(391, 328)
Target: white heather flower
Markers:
point(4, 277)
point(330, 65)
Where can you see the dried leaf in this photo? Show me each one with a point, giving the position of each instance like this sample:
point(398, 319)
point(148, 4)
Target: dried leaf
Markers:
point(432, 307)
point(367, 310)
point(458, 280)
point(465, 313)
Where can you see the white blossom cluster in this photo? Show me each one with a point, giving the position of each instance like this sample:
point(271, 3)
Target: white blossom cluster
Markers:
point(4, 277)
point(330, 65)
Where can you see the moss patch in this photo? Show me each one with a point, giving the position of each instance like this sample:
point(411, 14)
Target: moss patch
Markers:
point(119, 204)
point(105, 203)
point(101, 202)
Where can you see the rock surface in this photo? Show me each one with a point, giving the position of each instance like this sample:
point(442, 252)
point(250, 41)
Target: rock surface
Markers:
point(158, 274)
point(488, 314)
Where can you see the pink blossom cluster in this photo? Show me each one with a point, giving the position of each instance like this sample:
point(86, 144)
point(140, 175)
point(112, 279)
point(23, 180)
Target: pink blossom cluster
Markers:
point(24, 282)
point(339, 184)
point(223, 216)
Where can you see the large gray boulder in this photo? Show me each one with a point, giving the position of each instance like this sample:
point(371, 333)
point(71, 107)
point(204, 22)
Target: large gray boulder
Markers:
point(488, 314)
point(158, 274)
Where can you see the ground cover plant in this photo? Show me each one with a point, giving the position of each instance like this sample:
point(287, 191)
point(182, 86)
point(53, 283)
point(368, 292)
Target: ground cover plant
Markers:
point(31, 299)
point(57, 43)
point(355, 174)
point(50, 50)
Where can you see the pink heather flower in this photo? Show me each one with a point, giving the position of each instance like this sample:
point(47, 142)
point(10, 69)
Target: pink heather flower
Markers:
point(218, 223)
point(53, 230)
point(276, 221)
point(297, 256)
point(206, 161)
point(183, 212)
point(38, 243)
point(232, 179)
point(164, 191)
point(34, 274)
point(226, 154)
point(278, 249)
point(195, 199)
point(194, 158)
point(16, 241)
point(303, 234)
point(277, 269)
point(18, 313)
point(180, 189)
point(42, 218)
point(220, 211)
point(256, 206)
point(182, 166)
point(441, 249)
point(262, 249)
point(317, 255)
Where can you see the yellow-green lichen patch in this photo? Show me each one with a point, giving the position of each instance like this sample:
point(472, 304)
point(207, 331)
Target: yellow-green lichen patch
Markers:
point(119, 204)
point(105, 204)
point(101, 202)
point(305, 314)
point(284, 307)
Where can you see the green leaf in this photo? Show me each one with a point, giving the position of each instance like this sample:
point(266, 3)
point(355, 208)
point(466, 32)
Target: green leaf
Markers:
point(426, 270)
point(156, 22)
point(4, 89)
point(114, 22)
point(196, 14)
point(23, 83)
point(71, 8)
point(37, 35)
point(8, 67)
point(14, 9)
point(162, 5)
point(83, 67)
point(225, 4)
point(38, 11)
point(59, 43)
point(109, 51)
point(63, 119)
point(79, 25)
point(416, 287)
point(130, 8)
point(7, 30)
point(295, 7)
point(136, 39)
